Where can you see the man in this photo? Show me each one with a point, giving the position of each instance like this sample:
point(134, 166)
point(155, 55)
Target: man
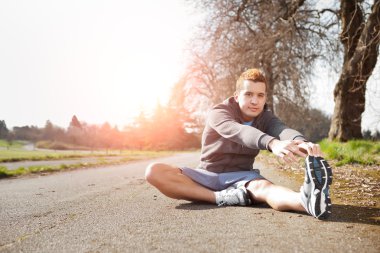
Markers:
point(235, 132)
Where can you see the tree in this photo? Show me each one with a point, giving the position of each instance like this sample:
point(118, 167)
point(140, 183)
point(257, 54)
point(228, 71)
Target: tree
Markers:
point(177, 104)
point(283, 38)
point(75, 131)
point(30, 133)
point(3, 130)
point(138, 132)
point(314, 124)
point(10, 138)
point(360, 37)
point(48, 131)
point(165, 129)
point(91, 136)
point(75, 122)
point(105, 135)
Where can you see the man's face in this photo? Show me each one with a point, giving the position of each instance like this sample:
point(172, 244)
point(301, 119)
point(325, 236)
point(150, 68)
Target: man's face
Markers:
point(251, 99)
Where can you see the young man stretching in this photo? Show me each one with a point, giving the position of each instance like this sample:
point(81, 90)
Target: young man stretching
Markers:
point(235, 132)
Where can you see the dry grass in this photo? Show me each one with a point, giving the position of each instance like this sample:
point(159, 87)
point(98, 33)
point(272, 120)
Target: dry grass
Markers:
point(353, 184)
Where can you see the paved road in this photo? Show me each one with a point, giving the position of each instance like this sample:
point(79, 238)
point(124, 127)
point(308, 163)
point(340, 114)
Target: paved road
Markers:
point(112, 209)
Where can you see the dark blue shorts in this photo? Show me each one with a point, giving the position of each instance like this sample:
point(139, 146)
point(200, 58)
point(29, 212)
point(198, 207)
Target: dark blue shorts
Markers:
point(221, 181)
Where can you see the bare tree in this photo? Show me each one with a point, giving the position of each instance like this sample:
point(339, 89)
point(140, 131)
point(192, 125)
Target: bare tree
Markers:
point(3, 129)
point(283, 38)
point(360, 37)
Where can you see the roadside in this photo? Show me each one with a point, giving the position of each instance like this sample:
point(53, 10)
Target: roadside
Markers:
point(355, 189)
point(84, 160)
point(25, 160)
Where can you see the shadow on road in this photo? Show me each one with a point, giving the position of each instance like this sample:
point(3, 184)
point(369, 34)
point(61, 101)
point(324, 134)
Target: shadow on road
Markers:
point(206, 206)
point(341, 213)
point(355, 214)
point(196, 206)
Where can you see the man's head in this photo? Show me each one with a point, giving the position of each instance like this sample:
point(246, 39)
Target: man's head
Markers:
point(254, 75)
point(250, 93)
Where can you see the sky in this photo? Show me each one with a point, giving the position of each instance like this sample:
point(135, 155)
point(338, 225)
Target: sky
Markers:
point(99, 60)
point(105, 61)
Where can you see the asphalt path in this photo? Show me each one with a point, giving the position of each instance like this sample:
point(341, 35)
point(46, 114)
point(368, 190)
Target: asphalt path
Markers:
point(113, 209)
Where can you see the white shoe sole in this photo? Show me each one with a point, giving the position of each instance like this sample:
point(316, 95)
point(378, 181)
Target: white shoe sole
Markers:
point(320, 175)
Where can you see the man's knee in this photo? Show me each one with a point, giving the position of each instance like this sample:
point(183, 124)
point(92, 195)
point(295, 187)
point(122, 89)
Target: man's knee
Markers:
point(258, 186)
point(154, 173)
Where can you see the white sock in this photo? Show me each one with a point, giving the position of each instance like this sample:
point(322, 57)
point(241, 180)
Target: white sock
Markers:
point(218, 198)
point(301, 199)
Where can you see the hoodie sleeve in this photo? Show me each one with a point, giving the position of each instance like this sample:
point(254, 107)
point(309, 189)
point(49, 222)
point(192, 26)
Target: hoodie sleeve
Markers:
point(276, 128)
point(221, 119)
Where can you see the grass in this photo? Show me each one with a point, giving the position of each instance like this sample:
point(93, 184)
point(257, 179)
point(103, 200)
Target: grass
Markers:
point(15, 144)
point(4, 172)
point(16, 154)
point(103, 158)
point(356, 173)
point(56, 145)
point(352, 152)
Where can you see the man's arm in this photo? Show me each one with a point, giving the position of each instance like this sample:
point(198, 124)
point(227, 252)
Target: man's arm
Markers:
point(289, 143)
point(288, 149)
point(223, 122)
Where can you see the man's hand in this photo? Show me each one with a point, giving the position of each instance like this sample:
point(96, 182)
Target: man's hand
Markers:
point(310, 148)
point(289, 148)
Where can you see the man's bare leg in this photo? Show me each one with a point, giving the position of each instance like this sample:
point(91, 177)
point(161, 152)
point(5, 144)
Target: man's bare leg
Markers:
point(278, 197)
point(171, 182)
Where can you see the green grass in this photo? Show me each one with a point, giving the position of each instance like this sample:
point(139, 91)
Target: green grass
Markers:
point(352, 152)
point(18, 154)
point(4, 172)
point(15, 144)
point(56, 145)
point(15, 155)
point(120, 157)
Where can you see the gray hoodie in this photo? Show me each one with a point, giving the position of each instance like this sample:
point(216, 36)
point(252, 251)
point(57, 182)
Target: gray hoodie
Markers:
point(228, 145)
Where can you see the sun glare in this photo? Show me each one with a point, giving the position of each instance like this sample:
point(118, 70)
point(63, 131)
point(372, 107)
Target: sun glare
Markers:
point(106, 62)
point(156, 61)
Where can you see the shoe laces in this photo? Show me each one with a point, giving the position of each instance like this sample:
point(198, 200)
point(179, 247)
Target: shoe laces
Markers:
point(230, 197)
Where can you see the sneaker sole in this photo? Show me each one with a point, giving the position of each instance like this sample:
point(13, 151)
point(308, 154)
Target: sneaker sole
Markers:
point(320, 174)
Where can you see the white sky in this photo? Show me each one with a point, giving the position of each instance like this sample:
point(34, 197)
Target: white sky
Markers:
point(102, 60)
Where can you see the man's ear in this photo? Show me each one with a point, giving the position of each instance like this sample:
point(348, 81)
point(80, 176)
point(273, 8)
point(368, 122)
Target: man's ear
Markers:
point(236, 96)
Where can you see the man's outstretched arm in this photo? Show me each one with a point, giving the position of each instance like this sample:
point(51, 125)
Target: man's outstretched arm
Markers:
point(289, 149)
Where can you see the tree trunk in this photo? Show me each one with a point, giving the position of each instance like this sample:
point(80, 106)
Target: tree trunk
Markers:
point(361, 47)
point(270, 84)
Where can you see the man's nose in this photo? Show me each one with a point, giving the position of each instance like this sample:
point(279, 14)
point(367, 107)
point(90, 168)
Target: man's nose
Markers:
point(253, 100)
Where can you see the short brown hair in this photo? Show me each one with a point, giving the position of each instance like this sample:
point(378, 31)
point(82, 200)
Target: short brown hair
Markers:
point(254, 75)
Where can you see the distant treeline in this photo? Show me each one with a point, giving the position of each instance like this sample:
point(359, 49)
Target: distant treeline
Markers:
point(169, 128)
point(165, 130)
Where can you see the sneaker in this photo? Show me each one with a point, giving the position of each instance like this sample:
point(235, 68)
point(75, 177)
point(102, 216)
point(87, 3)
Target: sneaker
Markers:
point(233, 196)
point(315, 192)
